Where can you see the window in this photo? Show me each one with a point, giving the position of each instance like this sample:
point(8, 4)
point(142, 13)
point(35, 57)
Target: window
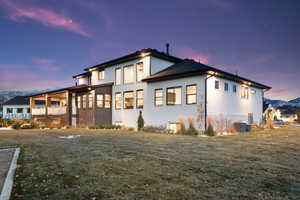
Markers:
point(139, 71)
point(217, 85)
point(100, 100)
point(28, 110)
point(244, 92)
point(118, 76)
point(79, 101)
point(118, 100)
point(19, 110)
point(226, 87)
point(101, 75)
point(107, 101)
point(158, 97)
point(174, 96)
point(139, 98)
point(84, 101)
point(128, 100)
point(90, 100)
point(129, 74)
point(234, 88)
point(9, 110)
point(191, 94)
point(253, 91)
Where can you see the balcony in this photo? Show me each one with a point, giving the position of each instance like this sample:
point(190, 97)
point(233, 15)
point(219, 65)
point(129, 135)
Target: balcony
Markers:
point(57, 110)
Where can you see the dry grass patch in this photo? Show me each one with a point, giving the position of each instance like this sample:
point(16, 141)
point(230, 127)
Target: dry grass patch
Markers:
point(120, 165)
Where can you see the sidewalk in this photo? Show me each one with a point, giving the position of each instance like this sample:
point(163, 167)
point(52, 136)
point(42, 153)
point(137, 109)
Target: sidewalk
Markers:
point(5, 159)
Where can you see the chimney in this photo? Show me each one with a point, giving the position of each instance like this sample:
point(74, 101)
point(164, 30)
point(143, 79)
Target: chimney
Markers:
point(167, 48)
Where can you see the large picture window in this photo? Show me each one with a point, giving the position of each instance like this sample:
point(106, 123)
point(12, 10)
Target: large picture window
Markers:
point(107, 101)
point(128, 100)
point(244, 92)
point(101, 75)
point(174, 96)
point(118, 101)
point(129, 74)
point(118, 76)
point(139, 98)
point(139, 71)
point(9, 110)
point(84, 101)
point(100, 100)
point(191, 94)
point(19, 110)
point(158, 97)
point(90, 100)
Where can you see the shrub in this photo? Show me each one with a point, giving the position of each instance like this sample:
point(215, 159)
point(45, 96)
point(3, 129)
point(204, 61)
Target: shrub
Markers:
point(105, 127)
point(210, 130)
point(140, 121)
point(182, 125)
point(5, 122)
point(154, 129)
point(191, 130)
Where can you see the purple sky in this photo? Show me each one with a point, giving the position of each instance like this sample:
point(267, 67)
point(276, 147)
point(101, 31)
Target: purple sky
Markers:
point(44, 43)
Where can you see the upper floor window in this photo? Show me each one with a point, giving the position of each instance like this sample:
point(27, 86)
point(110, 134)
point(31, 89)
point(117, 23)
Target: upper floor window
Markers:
point(19, 110)
point(158, 97)
point(129, 74)
point(79, 101)
point(84, 101)
point(139, 71)
point(9, 110)
point(191, 94)
point(107, 101)
point(100, 100)
point(101, 75)
point(118, 100)
point(139, 98)
point(234, 88)
point(217, 85)
point(253, 91)
point(90, 100)
point(174, 96)
point(118, 76)
point(128, 100)
point(244, 92)
point(226, 87)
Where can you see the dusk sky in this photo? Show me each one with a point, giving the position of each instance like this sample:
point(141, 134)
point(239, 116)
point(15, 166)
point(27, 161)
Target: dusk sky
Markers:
point(44, 42)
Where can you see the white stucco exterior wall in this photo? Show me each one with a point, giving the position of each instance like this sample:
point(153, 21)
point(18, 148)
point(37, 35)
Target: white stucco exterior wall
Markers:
point(23, 115)
point(231, 105)
point(158, 64)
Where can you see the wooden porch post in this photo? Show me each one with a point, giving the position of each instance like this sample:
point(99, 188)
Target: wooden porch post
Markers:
point(47, 104)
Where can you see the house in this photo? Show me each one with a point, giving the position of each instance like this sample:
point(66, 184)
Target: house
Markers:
point(17, 107)
point(162, 86)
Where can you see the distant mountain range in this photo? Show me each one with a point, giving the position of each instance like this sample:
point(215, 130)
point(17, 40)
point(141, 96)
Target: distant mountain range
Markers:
point(279, 103)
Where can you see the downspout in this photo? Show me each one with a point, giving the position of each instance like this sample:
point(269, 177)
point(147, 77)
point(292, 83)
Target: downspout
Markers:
point(205, 102)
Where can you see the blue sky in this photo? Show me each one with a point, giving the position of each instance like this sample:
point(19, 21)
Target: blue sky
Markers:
point(44, 43)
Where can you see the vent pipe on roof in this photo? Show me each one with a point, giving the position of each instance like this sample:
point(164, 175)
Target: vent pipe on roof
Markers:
point(167, 48)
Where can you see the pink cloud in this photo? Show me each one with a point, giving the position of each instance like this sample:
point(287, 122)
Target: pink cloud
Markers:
point(17, 76)
point(187, 52)
point(45, 63)
point(20, 12)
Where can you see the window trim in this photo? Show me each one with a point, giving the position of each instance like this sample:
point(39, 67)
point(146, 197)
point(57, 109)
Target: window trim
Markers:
point(124, 99)
point(97, 100)
point(186, 94)
point(167, 95)
point(116, 100)
point(79, 103)
point(136, 71)
point(162, 98)
point(105, 101)
point(217, 81)
point(84, 105)
point(242, 95)
point(99, 74)
point(90, 100)
point(226, 89)
point(118, 68)
point(133, 80)
point(136, 98)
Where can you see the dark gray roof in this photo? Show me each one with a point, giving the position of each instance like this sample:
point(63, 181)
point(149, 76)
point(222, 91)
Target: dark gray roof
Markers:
point(189, 67)
point(18, 100)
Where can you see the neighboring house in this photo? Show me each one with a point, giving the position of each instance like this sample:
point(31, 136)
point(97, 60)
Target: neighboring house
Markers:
point(17, 107)
point(288, 117)
point(162, 86)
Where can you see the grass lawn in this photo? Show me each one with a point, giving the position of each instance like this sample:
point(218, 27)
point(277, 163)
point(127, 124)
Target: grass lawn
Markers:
point(110, 165)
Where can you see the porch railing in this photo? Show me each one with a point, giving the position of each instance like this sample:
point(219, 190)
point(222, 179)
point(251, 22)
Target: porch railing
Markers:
point(57, 110)
point(38, 111)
